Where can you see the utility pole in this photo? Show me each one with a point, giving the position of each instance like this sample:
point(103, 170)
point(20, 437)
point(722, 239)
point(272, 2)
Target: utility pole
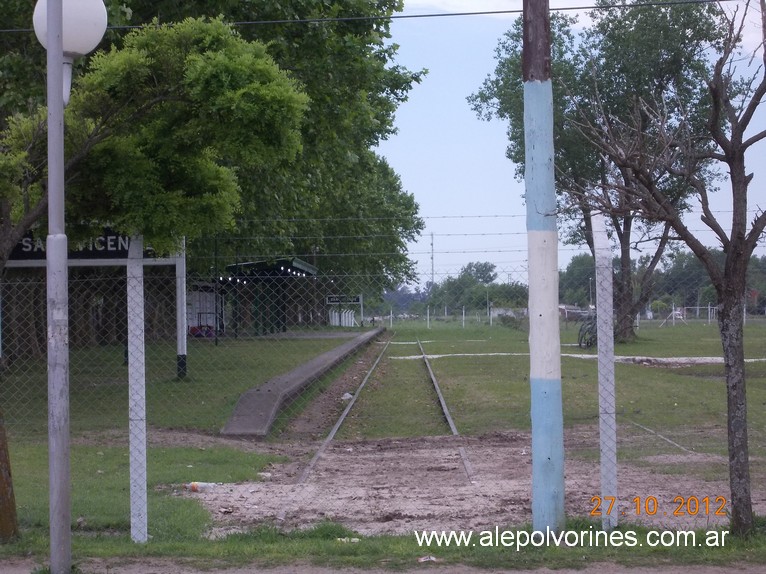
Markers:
point(542, 241)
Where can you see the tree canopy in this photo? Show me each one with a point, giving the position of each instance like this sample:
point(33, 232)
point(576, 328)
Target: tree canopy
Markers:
point(629, 55)
point(338, 197)
point(288, 205)
point(474, 288)
point(156, 134)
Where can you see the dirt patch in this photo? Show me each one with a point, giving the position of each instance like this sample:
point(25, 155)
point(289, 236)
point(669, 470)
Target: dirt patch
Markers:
point(396, 486)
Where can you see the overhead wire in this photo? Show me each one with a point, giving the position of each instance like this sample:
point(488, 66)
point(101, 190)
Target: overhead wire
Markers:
point(336, 19)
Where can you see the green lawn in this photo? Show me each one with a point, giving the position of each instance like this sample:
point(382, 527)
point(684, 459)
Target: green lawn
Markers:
point(484, 375)
point(217, 376)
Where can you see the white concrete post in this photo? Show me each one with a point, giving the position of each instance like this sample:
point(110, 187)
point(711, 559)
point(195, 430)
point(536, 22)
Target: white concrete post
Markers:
point(607, 418)
point(137, 391)
point(181, 327)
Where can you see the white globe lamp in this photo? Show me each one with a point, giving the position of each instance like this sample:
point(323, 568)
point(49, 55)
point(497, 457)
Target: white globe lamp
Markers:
point(83, 26)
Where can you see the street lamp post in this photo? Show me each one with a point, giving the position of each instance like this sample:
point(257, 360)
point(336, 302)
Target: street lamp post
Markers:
point(67, 29)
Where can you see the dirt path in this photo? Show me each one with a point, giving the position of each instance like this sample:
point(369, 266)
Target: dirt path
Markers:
point(397, 486)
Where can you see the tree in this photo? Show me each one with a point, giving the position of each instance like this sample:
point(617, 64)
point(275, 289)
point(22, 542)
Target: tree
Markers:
point(607, 51)
point(576, 286)
point(156, 132)
point(22, 63)
point(512, 294)
point(757, 286)
point(22, 58)
point(684, 278)
point(339, 197)
point(345, 67)
point(9, 525)
point(471, 288)
point(481, 272)
point(654, 145)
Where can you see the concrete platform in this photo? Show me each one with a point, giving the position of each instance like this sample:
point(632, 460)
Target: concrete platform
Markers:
point(257, 408)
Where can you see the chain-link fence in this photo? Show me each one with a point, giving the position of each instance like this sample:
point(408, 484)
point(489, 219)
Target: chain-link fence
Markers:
point(281, 347)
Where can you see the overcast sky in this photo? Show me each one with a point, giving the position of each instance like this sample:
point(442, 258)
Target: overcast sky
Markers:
point(451, 161)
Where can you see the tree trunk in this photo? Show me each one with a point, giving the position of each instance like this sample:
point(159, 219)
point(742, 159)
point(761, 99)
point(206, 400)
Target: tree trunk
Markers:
point(730, 323)
point(624, 304)
point(624, 327)
point(21, 336)
point(9, 526)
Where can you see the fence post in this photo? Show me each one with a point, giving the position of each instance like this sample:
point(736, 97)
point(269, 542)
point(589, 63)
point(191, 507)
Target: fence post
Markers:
point(137, 390)
point(607, 422)
point(181, 328)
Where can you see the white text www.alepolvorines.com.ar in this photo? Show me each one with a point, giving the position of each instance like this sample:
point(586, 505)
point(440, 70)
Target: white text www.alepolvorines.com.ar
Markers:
point(520, 539)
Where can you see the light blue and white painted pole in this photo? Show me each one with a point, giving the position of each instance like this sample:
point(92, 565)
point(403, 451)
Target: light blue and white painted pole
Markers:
point(542, 240)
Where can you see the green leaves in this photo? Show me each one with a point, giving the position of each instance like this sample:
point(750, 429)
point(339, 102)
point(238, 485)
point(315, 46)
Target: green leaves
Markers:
point(184, 129)
point(353, 87)
point(177, 113)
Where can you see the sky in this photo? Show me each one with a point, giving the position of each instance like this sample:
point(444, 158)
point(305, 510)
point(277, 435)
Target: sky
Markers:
point(451, 161)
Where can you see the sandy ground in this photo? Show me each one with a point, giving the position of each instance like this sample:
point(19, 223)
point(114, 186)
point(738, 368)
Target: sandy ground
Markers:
point(397, 486)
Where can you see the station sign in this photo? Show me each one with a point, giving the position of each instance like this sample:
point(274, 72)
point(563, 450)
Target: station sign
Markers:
point(344, 299)
point(109, 245)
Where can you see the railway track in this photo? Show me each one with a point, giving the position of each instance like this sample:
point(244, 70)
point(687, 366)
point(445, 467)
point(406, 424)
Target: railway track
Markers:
point(447, 416)
point(467, 467)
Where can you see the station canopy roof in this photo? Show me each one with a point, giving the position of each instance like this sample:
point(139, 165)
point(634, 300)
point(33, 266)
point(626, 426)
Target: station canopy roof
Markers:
point(272, 268)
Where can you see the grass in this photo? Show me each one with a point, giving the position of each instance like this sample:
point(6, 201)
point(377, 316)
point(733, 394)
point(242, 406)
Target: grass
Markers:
point(217, 376)
point(100, 482)
point(397, 404)
point(323, 545)
point(656, 406)
point(485, 394)
point(491, 392)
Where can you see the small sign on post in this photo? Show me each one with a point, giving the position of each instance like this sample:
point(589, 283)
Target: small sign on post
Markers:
point(345, 318)
point(344, 299)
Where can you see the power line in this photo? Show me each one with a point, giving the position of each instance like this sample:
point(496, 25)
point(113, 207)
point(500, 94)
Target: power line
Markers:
point(477, 13)
point(322, 20)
